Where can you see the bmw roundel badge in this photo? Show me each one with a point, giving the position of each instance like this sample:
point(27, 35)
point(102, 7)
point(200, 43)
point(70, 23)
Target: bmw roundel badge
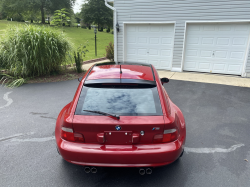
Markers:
point(118, 128)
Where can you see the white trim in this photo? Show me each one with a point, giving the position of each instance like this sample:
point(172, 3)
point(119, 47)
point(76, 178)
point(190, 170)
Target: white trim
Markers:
point(131, 23)
point(151, 22)
point(176, 69)
point(183, 48)
point(243, 74)
point(220, 21)
point(115, 31)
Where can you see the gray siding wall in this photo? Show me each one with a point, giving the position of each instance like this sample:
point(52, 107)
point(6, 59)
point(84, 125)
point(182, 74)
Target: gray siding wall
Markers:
point(179, 11)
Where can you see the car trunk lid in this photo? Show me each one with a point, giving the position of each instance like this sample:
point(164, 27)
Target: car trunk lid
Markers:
point(125, 131)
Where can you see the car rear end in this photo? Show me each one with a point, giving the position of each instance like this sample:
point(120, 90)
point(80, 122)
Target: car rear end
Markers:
point(146, 134)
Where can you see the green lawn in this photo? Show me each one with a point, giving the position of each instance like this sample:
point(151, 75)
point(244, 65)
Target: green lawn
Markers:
point(79, 36)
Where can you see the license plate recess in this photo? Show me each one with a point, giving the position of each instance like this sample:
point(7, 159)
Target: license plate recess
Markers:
point(118, 138)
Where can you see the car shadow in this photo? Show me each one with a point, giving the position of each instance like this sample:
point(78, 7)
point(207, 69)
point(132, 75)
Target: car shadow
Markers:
point(172, 175)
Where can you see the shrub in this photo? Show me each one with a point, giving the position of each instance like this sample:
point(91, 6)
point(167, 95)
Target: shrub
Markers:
point(101, 29)
point(108, 30)
point(78, 62)
point(17, 17)
point(79, 55)
point(28, 51)
point(89, 27)
point(112, 32)
point(110, 52)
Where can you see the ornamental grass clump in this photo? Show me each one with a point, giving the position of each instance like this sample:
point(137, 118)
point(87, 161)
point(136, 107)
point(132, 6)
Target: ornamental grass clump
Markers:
point(30, 51)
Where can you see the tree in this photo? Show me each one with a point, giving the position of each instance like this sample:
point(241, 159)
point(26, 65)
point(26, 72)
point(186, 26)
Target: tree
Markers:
point(61, 17)
point(31, 7)
point(95, 11)
point(49, 6)
point(78, 17)
point(13, 7)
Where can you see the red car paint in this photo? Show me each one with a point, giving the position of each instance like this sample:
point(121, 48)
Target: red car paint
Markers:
point(141, 151)
point(128, 72)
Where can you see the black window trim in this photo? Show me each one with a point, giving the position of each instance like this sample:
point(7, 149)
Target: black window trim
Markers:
point(156, 97)
point(119, 81)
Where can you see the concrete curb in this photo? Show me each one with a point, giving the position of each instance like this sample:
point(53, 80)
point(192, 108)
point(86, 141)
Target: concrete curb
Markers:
point(94, 60)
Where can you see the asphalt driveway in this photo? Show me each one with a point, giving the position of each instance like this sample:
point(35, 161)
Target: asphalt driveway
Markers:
point(218, 141)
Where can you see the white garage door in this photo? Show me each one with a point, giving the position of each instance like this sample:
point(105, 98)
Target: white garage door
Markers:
point(216, 47)
point(150, 43)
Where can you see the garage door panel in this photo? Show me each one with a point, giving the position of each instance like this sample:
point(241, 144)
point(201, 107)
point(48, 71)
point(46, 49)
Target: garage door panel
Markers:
point(166, 53)
point(191, 65)
point(167, 41)
point(132, 51)
point(142, 60)
point(239, 55)
point(220, 54)
point(240, 41)
point(164, 64)
point(154, 62)
point(154, 40)
point(142, 52)
point(207, 41)
point(206, 54)
point(193, 41)
point(234, 68)
point(143, 28)
point(153, 52)
point(225, 28)
point(218, 67)
point(142, 40)
point(209, 27)
point(131, 40)
point(192, 53)
point(222, 45)
point(204, 66)
point(150, 44)
point(224, 41)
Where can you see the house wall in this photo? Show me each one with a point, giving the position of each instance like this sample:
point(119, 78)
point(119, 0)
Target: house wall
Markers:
point(179, 11)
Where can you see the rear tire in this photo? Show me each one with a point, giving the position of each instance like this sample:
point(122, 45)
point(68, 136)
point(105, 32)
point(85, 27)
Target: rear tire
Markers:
point(181, 154)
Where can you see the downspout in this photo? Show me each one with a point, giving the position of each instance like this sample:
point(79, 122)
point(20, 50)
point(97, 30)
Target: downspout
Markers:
point(115, 30)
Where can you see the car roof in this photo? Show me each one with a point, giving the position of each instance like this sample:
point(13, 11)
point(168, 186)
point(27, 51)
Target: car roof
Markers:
point(137, 71)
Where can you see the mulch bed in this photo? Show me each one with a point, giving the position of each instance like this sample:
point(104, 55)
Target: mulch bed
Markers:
point(65, 75)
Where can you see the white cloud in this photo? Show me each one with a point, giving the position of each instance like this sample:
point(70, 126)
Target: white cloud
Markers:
point(78, 5)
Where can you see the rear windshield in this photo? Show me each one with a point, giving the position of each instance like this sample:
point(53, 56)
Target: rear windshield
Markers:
point(120, 101)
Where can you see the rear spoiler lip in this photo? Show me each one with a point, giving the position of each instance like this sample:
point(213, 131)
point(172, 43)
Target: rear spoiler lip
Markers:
point(120, 81)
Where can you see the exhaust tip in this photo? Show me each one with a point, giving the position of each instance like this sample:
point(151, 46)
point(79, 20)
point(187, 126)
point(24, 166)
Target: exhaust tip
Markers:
point(93, 170)
point(87, 170)
point(142, 171)
point(58, 151)
point(149, 171)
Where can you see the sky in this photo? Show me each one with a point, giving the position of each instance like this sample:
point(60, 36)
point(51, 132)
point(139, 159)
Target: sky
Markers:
point(78, 5)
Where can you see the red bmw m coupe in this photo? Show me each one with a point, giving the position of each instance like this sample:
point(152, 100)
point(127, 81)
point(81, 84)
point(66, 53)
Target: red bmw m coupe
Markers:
point(121, 116)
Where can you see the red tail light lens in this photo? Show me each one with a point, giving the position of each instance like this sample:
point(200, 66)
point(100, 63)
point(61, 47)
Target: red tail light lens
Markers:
point(78, 137)
point(168, 136)
point(69, 135)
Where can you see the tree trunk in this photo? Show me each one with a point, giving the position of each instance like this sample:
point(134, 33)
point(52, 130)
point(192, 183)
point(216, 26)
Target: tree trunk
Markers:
point(31, 21)
point(42, 12)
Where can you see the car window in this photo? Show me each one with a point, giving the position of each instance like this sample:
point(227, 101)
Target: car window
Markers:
point(120, 101)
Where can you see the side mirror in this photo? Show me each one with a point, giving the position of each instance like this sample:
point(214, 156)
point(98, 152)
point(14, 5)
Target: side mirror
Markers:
point(164, 80)
point(80, 79)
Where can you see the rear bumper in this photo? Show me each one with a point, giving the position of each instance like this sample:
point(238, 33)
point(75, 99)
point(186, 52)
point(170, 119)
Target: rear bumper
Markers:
point(150, 155)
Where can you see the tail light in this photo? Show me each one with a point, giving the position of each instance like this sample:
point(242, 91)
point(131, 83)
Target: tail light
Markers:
point(69, 135)
point(169, 135)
